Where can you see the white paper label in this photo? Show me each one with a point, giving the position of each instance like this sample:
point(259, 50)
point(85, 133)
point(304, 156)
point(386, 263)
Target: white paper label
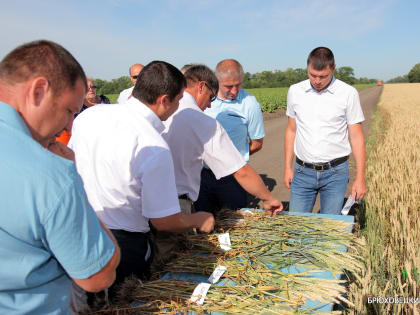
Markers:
point(200, 293)
point(224, 241)
point(347, 206)
point(217, 273)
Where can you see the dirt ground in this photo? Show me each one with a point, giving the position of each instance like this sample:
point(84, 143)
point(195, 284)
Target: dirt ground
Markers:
point(269, 162)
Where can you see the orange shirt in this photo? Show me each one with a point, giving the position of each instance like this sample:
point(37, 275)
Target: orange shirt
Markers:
point(64, 137)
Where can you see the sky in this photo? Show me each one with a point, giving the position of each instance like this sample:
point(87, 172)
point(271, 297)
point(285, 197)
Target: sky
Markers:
point(378, 39)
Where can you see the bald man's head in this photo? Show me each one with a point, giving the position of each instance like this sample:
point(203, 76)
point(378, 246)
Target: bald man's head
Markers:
point(229, 68)
point(134, 72)
point(230, 74)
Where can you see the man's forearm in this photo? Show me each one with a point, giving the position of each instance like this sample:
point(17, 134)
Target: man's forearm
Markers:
point(180, 222)
point(357, 141)
point(359, 153)
point(252, 182)
point(289, 140)
point(174, 223)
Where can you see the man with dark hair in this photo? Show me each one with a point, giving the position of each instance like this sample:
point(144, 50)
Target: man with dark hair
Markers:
point(320, 58)
point(127, 167)
point(49, 234)
point(160, 79)
point(196, 139)
point(240, 115)
point(134, 72)
point(324, 114)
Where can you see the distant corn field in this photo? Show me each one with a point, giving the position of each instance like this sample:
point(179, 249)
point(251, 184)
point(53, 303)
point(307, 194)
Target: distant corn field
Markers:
point(270, 99)
point(392, 218)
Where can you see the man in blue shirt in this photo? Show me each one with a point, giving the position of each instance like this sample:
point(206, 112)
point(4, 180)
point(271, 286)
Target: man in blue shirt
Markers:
point(240, 115)
point(49, 234)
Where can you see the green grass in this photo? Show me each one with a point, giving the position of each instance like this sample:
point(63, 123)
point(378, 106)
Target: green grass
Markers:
point(360, 87)
point(270, 99)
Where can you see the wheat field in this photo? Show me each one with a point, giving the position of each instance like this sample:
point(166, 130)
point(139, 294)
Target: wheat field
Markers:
point(392, 207)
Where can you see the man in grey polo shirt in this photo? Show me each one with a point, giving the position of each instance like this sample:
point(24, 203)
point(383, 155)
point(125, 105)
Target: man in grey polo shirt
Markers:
point(324, 113)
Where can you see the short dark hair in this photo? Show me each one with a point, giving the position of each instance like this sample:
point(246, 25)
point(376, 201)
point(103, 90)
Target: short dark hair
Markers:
point(196, 73)
point(320, 58)
point(158, 78)
point(42, 58)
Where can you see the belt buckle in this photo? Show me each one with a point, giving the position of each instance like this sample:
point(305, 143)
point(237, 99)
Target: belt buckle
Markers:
point(322, 167)
point(317, 167)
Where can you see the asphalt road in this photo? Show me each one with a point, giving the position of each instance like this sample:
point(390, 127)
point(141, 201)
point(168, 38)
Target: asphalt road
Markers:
point(269, 162)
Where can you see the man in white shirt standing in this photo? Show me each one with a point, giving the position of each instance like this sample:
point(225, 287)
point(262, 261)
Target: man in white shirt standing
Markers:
point(240, 115)
point(127, 168)
point(324, 113)
point(134, 72)
point(196, 138)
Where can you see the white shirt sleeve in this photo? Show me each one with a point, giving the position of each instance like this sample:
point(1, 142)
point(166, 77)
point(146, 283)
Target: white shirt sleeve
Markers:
point(156, 173)
point(221, 155)
point(354, 113)
point(290, 109)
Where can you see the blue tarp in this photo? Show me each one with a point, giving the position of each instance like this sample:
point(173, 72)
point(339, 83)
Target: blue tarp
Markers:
point(310, 304)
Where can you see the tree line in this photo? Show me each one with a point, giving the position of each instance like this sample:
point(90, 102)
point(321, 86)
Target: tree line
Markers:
point(264, 79)
point(412, 76)
point(114, 86)
point(277, 78)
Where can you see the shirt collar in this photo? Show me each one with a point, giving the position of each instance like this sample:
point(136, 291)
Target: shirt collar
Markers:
point(330, 88)
point(189, 101)
point(11, 117)
point(143, 110)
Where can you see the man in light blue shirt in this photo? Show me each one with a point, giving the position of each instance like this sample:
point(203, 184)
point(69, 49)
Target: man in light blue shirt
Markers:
point(240, 115)
point(49, 234)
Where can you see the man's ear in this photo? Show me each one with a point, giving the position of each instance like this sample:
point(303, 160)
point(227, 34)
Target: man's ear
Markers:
point(164, 100)
point(201, 86)
point(38, 90)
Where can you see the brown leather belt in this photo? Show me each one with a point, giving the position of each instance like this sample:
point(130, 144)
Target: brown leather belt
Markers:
point(323, 166)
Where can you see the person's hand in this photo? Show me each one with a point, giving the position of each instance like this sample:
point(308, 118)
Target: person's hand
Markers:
point(273, 206)
point(288, 176)
point(205, 221)
point(61, 149)
point(359, 189)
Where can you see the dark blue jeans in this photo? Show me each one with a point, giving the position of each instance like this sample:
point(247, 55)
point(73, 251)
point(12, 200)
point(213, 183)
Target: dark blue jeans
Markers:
point(331, 185)
point(217, 194)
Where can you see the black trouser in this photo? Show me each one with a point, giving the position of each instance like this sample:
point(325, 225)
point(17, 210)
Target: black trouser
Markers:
point(216, 194)
point(134, 247)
